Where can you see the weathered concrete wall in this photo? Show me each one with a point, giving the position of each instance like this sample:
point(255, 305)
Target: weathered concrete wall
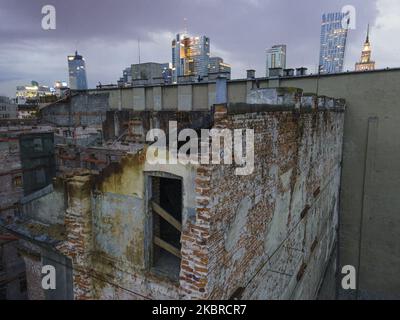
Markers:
point(83, 109)
point(199, 96)
point(369, 218)
point(270, 234)
point(46, 205)
point(328, 288)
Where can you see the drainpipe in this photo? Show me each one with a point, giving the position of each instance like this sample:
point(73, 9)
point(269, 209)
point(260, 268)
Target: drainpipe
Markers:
point(221, 90)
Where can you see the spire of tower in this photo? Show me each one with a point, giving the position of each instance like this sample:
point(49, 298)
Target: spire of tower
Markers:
point(367, 34)
point(185, 27)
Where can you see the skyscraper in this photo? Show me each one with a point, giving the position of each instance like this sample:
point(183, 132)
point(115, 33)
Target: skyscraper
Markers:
point(217, 65)
point(276, 58)
point(333, 42)
point(365, 63)
point(190, 56)
point(77, 72)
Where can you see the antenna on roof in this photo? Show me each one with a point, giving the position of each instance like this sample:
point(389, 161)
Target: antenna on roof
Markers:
point(76, 46)
point(139, 57)
point(185, 26)
point(139, 49)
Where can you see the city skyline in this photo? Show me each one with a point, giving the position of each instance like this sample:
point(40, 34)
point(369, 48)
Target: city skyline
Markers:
point(231, 42)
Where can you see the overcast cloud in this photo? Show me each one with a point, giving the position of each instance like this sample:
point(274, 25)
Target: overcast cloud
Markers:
point(106, 34)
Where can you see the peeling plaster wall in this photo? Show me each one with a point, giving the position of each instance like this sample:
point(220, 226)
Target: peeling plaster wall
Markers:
point(272, 232)
point(110, 211)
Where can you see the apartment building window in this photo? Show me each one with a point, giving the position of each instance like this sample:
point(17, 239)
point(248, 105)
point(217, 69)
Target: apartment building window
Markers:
point(17, 181)
point(165, 207)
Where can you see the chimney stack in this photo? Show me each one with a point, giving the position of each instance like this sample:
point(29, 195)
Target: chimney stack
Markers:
point(251, 74)
point(301, 71)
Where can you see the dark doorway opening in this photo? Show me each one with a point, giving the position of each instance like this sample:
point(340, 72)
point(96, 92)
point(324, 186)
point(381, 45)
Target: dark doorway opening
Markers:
point(166, 209)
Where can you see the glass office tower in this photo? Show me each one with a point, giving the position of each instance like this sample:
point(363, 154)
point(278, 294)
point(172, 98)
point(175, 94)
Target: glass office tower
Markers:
point(276, 58)
point(190, 56)
point(77, 72)
point(334, 30)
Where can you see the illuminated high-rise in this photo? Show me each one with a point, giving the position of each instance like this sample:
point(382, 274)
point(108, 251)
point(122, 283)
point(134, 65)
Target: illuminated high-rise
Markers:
point(190, 56)
point(366, 63)
point(334, 30)
point(77, 72)
point(217, 65)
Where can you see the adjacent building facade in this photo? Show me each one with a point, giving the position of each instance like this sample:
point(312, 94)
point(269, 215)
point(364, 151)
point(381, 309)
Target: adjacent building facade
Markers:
point(8, 109)
point(146, 73)
point(27, 165)
point(34, 93)
point(217, 66)
point(276, 58)
point(334, 31)
point(77, 72)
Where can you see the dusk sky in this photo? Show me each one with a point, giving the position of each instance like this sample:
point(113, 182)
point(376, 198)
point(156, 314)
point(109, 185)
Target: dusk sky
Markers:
point(106, 33)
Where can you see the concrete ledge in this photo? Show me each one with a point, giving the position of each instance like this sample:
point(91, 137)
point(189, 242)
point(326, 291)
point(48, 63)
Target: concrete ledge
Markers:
point(241, 108)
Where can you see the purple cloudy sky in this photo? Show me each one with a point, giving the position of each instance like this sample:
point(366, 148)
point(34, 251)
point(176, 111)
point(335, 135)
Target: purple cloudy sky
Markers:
point(105, 32)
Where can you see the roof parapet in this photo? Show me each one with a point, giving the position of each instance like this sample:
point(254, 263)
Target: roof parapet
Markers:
point(290, 98)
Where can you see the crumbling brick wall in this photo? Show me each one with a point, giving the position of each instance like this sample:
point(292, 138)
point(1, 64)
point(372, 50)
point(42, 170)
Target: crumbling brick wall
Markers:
point(78, 225)
point(11, 180)
point(269, 235)
point(262, 236)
